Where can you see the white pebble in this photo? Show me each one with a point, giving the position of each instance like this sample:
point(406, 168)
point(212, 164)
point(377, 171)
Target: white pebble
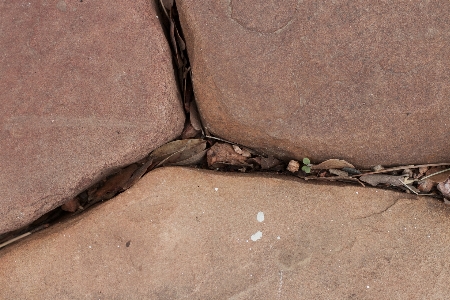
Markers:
point(256, 236)
point(260, 216)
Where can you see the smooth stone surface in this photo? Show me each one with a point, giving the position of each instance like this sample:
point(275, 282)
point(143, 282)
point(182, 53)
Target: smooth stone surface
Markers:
point(368, 82)
point(187, 234)
point(86, 87)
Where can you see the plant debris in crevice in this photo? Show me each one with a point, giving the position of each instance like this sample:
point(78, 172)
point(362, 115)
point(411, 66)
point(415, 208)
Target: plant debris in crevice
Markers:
point(193, 127)
point(216, 154)
point(197, 148)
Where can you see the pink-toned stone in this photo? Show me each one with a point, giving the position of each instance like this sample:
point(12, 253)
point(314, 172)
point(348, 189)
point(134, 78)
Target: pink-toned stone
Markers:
point(72, 205)
point(366, 81)
point(86, 87)
point(186, 234)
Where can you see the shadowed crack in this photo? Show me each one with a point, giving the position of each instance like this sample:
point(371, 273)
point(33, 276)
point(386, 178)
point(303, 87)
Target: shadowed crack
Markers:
point(379, 212)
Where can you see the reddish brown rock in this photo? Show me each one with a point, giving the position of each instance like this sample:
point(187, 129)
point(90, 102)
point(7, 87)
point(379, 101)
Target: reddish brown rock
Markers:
point(368, 82)
point(86, 87)
point(72, 205)
point(188, 234)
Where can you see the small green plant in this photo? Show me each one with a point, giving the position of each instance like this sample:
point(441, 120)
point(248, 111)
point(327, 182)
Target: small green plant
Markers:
point(307, 165)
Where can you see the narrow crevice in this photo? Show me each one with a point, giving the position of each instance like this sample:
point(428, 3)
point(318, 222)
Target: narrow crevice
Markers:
point(379, 212)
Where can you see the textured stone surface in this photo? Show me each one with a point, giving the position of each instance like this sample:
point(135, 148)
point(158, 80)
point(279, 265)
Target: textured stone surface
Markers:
point(365, 81)
point(86, 86)
point(186, 234)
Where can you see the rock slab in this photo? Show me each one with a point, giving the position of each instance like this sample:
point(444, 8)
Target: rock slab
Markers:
point(86, 87)
point(368, 82)
point(185, 234)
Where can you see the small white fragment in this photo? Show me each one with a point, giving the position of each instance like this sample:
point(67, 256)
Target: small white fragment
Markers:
point(216, 189)
point(256, 236)
point(260, 216)
point(237, 149)
point(242, 152)
point(278, 237)
point(356, 193)
point(368, 286)
point(378, 168)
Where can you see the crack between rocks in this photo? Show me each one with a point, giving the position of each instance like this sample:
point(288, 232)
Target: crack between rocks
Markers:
point(182, 78)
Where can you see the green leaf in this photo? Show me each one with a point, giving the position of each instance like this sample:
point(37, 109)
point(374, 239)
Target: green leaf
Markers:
point(306, 169)
point(306, 161)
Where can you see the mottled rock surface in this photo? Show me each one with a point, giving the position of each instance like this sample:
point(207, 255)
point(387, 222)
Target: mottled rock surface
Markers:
point(366, 81)
point(86, 87)
point(187, 234)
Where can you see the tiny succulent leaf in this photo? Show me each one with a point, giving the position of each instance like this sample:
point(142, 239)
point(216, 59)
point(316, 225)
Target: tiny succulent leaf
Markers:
point(306, 169)
point(306, 161)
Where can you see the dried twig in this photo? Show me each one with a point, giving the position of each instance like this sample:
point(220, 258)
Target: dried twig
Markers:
point(332, 178)
point(443, 171)
point(23, 235)
point(375, 179)
point(402, 168)
point(408, 187)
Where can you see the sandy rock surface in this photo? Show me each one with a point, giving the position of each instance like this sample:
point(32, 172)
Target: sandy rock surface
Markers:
point(187, 234)
point(367, 82)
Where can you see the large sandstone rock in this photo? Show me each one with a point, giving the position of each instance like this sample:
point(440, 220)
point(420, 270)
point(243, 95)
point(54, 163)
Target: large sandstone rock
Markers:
point(86, 86)
point(368, 82)
point(188, 234)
